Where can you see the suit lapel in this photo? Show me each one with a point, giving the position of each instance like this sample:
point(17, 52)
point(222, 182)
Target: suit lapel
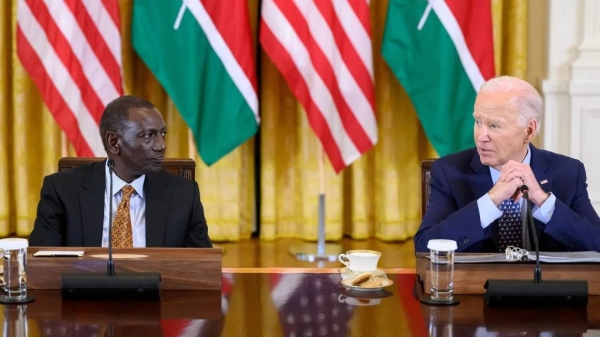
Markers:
point(481, 183)
point(91, 199)
point(157, 203)
point(538, 167)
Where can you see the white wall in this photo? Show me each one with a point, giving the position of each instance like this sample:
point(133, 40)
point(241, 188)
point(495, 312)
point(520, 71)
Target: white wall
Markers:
point(572, 89)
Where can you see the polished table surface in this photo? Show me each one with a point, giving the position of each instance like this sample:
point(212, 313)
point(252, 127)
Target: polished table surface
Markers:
point(291, 302)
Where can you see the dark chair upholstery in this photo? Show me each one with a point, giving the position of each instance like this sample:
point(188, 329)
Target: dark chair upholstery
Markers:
point(185, 168)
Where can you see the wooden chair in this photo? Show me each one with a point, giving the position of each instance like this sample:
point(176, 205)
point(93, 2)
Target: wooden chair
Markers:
point(425, 188)
point(183, 167)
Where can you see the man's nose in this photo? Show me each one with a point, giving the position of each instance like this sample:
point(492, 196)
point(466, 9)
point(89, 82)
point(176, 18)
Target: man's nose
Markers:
point(159, 145)
point(482, 134)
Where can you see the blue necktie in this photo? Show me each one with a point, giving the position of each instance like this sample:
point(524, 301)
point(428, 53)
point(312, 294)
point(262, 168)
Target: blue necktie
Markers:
point(509, 225)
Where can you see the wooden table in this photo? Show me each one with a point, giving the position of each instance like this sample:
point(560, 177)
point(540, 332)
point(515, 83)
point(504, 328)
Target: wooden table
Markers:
point(180, 268)
point(287, 302)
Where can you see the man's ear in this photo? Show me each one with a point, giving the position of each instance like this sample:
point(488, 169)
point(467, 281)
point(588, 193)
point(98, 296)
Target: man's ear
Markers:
point(112, 142)
point(530, 130)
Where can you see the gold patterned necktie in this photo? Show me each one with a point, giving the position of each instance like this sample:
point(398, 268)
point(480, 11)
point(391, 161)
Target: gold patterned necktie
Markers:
point(122, 236)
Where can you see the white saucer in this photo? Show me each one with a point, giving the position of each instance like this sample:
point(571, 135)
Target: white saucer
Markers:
point(347, 273)
point(386, 283)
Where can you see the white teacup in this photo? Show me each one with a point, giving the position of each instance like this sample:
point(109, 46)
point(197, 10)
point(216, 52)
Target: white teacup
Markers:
point(360, 260)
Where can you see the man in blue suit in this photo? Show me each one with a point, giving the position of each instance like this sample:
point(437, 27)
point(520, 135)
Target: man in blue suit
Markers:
point(475, 197)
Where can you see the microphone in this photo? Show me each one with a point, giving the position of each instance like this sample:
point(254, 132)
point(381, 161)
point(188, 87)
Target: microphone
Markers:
point(112, 286)
point(523, 293)
point(526, 238)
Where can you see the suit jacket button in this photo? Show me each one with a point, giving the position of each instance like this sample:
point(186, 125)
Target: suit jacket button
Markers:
point(466, 241)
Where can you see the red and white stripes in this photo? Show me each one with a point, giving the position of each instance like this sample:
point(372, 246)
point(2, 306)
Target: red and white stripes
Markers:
point(323, 49)
point(72, 51)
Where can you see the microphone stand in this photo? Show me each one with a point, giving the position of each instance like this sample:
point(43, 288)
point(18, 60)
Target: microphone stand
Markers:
point(537, 272)
point(111, 263)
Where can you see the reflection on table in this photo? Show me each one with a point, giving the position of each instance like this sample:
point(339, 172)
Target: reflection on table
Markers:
point(290, 303)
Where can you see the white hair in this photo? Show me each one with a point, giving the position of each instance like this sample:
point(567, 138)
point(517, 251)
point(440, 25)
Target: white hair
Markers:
point(526, 99)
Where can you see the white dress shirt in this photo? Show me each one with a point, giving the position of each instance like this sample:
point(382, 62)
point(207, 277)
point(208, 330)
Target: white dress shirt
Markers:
point(137, 209)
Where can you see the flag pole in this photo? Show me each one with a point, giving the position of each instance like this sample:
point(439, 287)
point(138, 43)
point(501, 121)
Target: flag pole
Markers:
point(320, 252)
point(191, 145)
point(64, 152)
point(321, 230)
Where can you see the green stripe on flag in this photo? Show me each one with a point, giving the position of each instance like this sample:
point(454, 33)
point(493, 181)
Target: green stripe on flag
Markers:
point(195, 78)
point(427, 65)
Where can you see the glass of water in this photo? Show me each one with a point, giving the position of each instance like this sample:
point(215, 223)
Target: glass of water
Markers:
point(442, 269)
point(14, 257)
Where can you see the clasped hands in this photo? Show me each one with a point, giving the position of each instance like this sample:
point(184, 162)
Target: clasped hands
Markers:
point(512, 176)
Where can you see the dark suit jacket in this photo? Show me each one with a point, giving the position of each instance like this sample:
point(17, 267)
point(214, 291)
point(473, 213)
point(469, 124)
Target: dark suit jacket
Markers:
point(71, 210)
point(458, 180)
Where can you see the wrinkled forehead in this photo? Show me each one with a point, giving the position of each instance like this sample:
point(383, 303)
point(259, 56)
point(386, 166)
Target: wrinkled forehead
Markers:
point(146, 118)
point(498, 105)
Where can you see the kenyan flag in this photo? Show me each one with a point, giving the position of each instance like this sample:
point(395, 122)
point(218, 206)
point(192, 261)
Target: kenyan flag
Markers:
point(201, 52)
point(441, 51)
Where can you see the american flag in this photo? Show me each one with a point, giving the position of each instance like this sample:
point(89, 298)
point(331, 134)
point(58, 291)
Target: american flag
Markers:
point(323, 49)
point(72, 51)
point(308, 305)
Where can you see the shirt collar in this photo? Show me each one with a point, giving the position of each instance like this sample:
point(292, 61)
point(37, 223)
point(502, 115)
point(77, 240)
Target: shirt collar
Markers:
point(118, 183)
point(496, 174)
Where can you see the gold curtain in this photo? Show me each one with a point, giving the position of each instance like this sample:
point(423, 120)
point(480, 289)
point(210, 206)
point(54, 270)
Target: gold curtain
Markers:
point(376, 196)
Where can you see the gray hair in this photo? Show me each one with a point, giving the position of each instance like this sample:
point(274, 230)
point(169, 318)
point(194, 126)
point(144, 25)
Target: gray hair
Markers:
point(527, 100)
